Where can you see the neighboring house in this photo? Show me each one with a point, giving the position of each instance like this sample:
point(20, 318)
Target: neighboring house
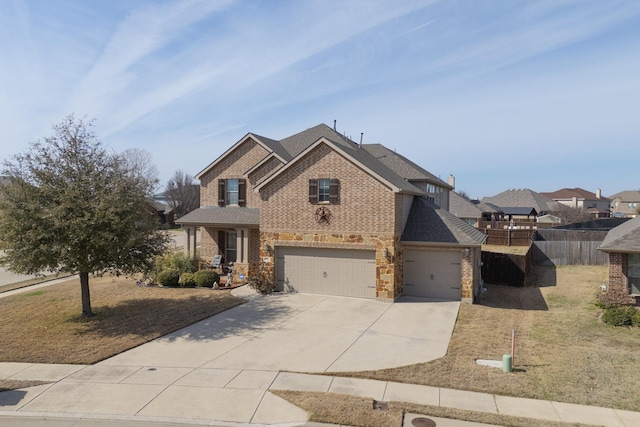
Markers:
point(526, 201)
point(182, 201)
point(164, 213)
point(473, 212)
point(578, 198)
point(625, 203)
point(325, 215)
point(622, 243)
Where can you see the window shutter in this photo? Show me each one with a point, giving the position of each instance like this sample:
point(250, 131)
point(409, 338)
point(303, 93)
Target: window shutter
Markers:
point(313, 191)
point(242, 192)
point(222, 192)
point(334, 191)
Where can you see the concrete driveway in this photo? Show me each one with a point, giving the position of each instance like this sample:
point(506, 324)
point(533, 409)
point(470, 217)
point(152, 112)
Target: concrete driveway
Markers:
point(303, 332)
point(220, 370)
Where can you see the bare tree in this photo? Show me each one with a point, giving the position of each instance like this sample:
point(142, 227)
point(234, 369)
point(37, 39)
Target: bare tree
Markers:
point(182, 194)
point(140, 165)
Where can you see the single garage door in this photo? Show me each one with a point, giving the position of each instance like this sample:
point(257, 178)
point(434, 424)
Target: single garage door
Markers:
point(432, 274)
point(342, 272)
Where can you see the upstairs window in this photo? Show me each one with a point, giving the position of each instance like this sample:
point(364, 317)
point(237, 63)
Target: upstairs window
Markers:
point(232, 192)
point(324, 190)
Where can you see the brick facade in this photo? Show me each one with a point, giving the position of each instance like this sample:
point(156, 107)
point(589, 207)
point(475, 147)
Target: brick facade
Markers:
point(618, 274)
point(234, 165)
point(368, 215)
point(364, 217)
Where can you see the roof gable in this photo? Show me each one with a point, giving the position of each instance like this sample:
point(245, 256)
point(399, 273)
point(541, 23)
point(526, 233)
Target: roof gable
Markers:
point(357, 157)
point(266, 143)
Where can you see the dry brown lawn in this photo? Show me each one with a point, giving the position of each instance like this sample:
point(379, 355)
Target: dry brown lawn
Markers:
point(46, 326)
point(563, 351)
point(362, 412)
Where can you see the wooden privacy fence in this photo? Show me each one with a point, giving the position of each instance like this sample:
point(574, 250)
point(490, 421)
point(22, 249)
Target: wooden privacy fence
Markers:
point(508, 237)
point(568, 247)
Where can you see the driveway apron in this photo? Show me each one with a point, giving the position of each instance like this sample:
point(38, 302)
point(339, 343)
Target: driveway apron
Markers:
point(221, 368)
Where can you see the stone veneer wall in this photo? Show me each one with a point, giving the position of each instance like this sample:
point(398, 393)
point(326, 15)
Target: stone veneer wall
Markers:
point(386, 284)
point(467, 284)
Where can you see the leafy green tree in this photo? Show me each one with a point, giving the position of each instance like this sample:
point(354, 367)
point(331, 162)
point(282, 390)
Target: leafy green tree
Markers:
point(72, 206)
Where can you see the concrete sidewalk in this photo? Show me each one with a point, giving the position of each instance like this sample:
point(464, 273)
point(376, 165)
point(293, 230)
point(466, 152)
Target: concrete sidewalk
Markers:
point(230, 397)
point(220, 371)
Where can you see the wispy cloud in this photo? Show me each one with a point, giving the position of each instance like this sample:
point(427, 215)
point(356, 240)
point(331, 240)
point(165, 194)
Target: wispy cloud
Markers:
point(463, 74)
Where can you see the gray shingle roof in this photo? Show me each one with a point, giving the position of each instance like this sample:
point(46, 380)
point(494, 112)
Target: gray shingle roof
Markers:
point(623, 238)
point(401, 165)
point(275, 146)
point(463, 208)
point(525, 198)
point(627, 196)
point(298, 143)
point(227, 216)
point(429, 223)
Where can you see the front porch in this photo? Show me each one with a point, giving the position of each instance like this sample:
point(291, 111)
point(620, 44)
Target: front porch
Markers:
point(231, 232)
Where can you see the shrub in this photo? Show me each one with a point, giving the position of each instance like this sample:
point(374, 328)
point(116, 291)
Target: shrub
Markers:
point(620, 315)
point(612, 297)
point(187, 280)
point(206, 278)
point(169, 278)
point(173, 261)
point(262, 281)
point(635, 319)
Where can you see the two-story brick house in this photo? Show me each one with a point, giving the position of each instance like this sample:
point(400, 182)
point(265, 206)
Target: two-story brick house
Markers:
point(330, 216)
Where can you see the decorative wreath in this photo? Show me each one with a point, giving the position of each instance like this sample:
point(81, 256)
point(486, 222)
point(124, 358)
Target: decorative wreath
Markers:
point(323, 214)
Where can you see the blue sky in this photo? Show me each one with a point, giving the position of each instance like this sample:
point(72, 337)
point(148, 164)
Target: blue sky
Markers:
point(501, 94)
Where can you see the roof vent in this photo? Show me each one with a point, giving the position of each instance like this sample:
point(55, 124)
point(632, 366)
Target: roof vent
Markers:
point(361, 134)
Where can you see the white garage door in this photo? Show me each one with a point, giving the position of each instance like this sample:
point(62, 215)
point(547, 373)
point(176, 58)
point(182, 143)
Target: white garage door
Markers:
point(342, 272)
point(432, 274)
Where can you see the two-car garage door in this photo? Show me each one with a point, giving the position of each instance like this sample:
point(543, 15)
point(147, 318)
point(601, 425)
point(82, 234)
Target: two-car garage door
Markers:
point(432, 274)
point(323, 271)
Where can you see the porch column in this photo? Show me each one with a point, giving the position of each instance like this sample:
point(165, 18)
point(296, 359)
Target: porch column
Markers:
point(242, 245)
point(195, 242)
point(187, 245)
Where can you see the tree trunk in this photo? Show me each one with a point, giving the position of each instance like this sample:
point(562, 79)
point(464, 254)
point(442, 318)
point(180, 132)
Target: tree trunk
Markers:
point(86, 298)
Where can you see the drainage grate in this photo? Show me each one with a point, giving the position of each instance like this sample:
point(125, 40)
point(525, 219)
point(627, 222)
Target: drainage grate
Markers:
point(423, 422)
point(382, 406)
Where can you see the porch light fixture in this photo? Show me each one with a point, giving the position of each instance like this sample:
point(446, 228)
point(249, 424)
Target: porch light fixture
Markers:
point(466, 251)
point(385, 252)
point(266, 248)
